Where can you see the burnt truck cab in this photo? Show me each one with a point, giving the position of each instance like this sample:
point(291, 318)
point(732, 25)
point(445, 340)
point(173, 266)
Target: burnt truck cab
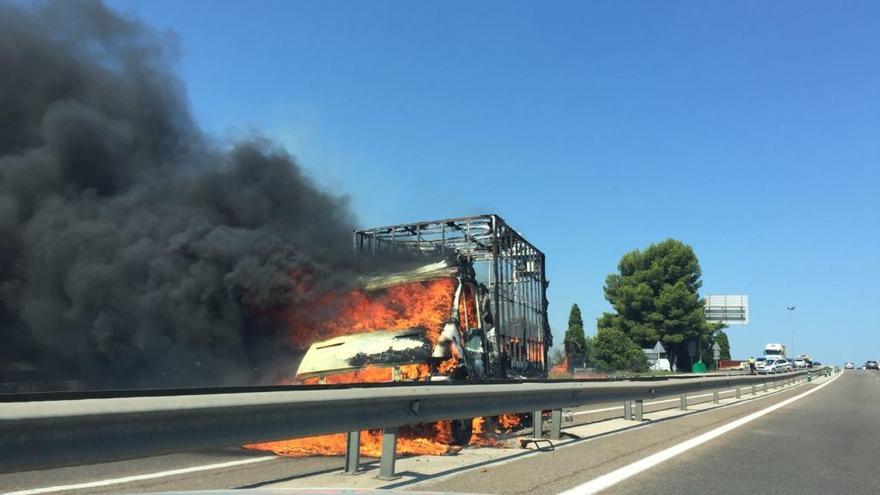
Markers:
point(459, 342)
point(485, 317)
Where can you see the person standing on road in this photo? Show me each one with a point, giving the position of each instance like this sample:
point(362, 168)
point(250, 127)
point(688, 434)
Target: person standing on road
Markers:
point(751, 365)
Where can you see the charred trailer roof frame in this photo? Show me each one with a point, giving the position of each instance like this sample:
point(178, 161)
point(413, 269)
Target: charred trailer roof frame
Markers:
point(510, 267)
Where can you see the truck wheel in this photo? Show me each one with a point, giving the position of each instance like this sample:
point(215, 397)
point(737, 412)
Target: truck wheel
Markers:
point(462, 429)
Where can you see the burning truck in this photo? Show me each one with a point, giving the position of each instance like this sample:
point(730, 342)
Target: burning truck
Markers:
point(470, 305)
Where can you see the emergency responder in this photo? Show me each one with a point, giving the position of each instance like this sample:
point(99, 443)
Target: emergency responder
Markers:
point(752, 365)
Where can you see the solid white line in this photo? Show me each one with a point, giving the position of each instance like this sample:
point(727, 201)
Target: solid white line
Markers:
point(614, 477)
point(565, 444)
point(141, 477)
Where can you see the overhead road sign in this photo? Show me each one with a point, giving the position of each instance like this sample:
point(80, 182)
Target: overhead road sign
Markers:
point(728, 309)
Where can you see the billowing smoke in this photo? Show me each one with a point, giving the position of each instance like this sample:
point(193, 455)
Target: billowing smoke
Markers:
point(134, 250)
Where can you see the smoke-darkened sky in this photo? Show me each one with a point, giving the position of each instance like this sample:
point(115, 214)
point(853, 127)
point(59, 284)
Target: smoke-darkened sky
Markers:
point(134, 249)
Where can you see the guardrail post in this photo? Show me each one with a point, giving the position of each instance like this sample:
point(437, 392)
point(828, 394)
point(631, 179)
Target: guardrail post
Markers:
point(715, 396)
point(627, 410)
point(738, 393)
point(765, 387)
point(684, 402)
point(640, 410)
point(754, 389)
point(353, 452)
point(389, 454)
point(538, 424)
point(556, 424)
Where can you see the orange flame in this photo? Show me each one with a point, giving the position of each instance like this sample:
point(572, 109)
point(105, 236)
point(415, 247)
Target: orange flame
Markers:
point(509, 422)
point(399, 307)
point(562, 367)
point(416, 304)
point(423, 439)
point(428, 439)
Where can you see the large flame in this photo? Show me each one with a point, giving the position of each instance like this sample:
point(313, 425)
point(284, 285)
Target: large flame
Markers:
point(422, 439)
point(560, 368)
point(407, 305)
point(425, 304)
point(432, 439)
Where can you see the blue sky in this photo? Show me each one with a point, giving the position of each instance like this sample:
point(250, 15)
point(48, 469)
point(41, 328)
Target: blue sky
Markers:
point(750, 130)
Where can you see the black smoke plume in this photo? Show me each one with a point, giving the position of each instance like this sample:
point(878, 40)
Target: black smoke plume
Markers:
point(134, 250)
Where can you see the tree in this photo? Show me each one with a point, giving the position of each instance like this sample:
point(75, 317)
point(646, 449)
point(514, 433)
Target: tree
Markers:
point(654, 295)
point(575, 340)
point(588, 351)
point(612, 349)
point(718, 337)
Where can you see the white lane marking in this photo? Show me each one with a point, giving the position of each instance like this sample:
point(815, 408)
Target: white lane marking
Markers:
point(565, 444)
point(606, 409)
point(614, 477)
point(141, 477)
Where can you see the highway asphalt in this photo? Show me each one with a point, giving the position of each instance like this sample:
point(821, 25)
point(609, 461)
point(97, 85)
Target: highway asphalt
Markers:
point(257, 469)
point(825, 442)
point(828, 442)
point(237, 475)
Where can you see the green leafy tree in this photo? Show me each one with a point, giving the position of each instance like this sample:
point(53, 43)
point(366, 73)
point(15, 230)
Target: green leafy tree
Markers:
point(575, 340)
point(612, 349)
point(588, 350)
point(724, 343)
point(654, 295)
point(716, 337)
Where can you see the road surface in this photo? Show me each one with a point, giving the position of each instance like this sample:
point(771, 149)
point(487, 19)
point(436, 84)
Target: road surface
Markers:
point(824, 442)
point(819, 435)
point(828, 442)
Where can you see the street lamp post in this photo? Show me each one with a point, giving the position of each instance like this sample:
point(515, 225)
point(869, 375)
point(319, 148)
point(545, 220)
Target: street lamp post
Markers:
point(791, 323)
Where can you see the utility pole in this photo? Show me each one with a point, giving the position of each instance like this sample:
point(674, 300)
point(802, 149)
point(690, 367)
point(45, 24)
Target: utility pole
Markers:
point(791, 323)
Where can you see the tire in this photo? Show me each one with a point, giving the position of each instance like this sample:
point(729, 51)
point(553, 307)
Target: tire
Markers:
point(462, 429)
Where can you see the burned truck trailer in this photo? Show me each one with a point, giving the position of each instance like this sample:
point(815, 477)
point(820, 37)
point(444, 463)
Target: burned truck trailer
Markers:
point(490, 287)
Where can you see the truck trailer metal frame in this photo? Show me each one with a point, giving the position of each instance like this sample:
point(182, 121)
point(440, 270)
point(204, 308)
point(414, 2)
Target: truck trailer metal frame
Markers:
point(511, 268)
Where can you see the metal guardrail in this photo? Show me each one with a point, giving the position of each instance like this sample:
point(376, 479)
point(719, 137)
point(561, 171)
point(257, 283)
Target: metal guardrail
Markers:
point(51, 433)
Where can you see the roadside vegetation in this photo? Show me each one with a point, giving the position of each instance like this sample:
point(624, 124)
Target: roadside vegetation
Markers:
point(655, 297)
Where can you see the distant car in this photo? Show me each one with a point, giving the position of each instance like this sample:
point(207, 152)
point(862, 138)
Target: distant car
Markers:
point(800, 363)
point(765, 367)
point(849, 366)
point(774, 366)
point(661, 365)
point(871, 365)
point(815, 364)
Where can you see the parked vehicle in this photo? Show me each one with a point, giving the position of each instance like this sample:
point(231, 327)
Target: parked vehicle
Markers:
point(767, 367)
point(849, 366)
point(661, 365)
point(800, 363)
point(871, 365)
point(773, 366)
